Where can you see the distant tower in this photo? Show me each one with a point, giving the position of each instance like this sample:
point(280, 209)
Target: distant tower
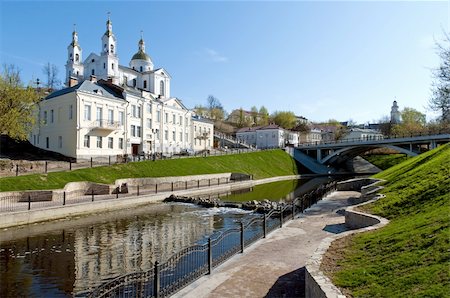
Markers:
point(109, 54)
point(74, 66)
point(395, 114)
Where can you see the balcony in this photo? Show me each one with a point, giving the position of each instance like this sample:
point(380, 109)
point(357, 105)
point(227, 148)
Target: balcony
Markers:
point(105, 125)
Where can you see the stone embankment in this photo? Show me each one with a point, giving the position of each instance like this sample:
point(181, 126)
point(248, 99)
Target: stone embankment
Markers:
point(264, 206)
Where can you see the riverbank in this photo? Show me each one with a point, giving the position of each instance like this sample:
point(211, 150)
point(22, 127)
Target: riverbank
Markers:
point(12, 219)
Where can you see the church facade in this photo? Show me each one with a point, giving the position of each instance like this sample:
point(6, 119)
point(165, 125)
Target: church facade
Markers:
point(110, 109)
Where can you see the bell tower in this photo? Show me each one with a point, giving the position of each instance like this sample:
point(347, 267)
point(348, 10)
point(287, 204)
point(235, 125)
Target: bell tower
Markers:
point(74, 66)
point(109, 59)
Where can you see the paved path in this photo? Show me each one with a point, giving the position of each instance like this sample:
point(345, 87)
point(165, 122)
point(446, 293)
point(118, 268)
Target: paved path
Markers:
point(274, 267)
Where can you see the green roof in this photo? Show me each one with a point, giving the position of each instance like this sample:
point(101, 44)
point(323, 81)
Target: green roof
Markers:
point(140, 55)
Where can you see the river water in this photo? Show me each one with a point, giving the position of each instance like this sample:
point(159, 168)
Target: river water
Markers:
point(60, 258)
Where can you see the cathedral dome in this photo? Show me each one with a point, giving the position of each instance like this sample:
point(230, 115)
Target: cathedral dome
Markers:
point(141, 55)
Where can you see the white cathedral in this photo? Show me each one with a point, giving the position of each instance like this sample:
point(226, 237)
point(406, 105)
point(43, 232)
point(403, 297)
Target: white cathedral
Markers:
point(110, 109)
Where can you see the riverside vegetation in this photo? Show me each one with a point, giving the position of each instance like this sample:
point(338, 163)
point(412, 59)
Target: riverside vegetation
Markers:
point(261, 164)
point(410, 256)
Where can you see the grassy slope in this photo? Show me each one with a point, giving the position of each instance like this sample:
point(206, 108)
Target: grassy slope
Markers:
point(260, 164)
point(385, 161)
point(410, 256)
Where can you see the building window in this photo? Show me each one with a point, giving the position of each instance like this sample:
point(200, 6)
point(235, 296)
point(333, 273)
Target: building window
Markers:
point(140, 68)
point(45, 117)
point(161, 88)
point(99, 114)
point(47, 142)
point(181, 136)
point(166, 135)
point(110, 143)
point(149, 123)
point(133, 130)
point(87, 112)
point(138, 131)
point(125, 80)
point(186, 122)
point(99, 142)
point(112, 66)
point(52, 116)
point(145, 84)
point(149, 108)
point(93, 60)
point(173, 136)
point(70, 112)
point(112, 49)
point(110, 116)
point(134, 82)
point(139, 112)
point(174, 118)
point(121, 117)
point(93, 72)
point(87, 141)
point(120, 143)
point(60, 141)
point(186, 135)
point(166, 117)
point(158, 116)
point(77, 57)
point(104, 65)
point(133, 111)
point(181, 120)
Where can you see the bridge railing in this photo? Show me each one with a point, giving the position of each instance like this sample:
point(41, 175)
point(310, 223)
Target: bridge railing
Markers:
point(372, 138)
point(189, 264)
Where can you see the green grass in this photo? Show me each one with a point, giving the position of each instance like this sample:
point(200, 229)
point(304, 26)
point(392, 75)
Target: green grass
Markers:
point(385, 161)
point(410, 257)
point(260, 164)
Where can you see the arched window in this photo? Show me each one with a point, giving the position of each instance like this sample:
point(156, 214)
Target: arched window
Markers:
point(112, 49)
point(140, 68)
point(93, 72)
point(145, 84)
point(77, 57)
point(161, 87)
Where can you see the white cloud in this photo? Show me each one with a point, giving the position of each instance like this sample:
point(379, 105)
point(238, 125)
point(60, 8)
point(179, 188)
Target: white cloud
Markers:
point(215, 56)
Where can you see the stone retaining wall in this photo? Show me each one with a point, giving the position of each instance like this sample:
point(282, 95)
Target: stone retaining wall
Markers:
point(318, 284)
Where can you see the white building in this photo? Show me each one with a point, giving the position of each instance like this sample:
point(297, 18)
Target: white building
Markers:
point(363, 134)
point(110, 109)
point(202, 133)
point(269, 136)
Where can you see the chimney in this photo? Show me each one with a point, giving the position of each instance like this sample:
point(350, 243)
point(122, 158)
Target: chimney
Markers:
point(73, 81)
point(93, 79)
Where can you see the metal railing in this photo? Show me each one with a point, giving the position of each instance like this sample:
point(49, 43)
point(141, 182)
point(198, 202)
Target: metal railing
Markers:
point(44, 199)
point(189, 264)
point(369, 138)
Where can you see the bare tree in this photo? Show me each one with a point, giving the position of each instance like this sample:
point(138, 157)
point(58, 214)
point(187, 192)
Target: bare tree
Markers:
point(440, 101)
point(51, 73)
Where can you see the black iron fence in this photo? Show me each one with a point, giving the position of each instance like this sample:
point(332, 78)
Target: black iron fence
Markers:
point(22, 201)
point(191, 263)
point(23, 167)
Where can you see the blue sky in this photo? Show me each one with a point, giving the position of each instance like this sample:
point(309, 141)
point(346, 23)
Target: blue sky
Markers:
point(321, 60)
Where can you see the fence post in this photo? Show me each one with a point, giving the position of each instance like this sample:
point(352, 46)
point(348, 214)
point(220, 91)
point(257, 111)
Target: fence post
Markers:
point(138, 190)
point(281, 217)
point(218, 181)
point(198, 183)
point(109, 159)
point(209, 182)
point(92, 193)
point(172, 185)
point(242, 237)
point(264, 226)
point(156, 280)
point(29, 202)
point(70, 165)
point(17, 170)
point(91, 162)
point(185, 184)
point(156, 188)
point(45, 166)
point(117, 192)
point(209, 256)
point(64, 198)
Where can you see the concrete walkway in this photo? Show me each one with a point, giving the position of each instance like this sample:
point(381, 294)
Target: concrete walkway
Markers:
point(274, 267)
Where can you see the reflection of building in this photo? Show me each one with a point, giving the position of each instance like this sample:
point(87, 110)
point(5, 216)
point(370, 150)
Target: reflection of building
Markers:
point(109, 109)
point(121, 247)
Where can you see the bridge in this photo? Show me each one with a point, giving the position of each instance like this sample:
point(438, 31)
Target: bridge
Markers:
point(320, 157)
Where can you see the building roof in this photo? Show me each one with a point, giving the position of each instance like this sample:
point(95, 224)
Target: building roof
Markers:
point(87, 86)
point(141, 55)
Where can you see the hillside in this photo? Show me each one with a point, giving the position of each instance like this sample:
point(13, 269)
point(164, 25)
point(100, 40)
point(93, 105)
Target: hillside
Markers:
point(259, 164)
point(410, 256)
